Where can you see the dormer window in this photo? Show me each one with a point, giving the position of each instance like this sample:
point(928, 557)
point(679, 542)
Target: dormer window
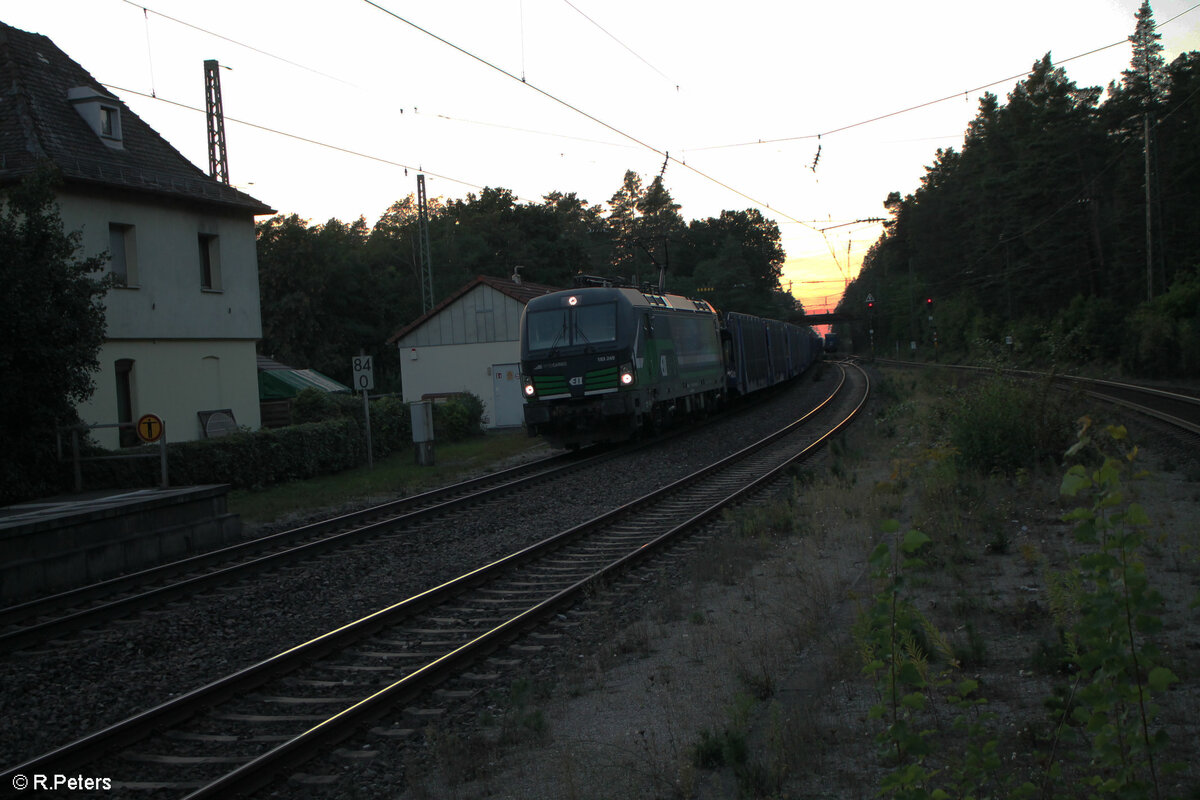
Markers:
point(110, 122)
point(100, 112)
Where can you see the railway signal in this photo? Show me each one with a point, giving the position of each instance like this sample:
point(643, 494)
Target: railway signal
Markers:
point(871, 321)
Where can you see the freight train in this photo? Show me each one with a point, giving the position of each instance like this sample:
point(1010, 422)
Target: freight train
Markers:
point(602, 363)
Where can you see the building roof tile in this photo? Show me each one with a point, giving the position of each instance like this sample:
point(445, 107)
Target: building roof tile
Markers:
point(39, 123)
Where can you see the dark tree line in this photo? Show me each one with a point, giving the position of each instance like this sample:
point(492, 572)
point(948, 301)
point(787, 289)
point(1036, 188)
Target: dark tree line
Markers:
point(1037, 228)
point(329, 291)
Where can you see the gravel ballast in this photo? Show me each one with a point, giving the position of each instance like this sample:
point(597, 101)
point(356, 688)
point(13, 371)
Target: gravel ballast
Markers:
point(60, 692)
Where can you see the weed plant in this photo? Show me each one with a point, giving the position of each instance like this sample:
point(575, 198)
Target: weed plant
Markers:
point(1001, 425)
point(936, 739)
point(1108, 710)
point(914, 670)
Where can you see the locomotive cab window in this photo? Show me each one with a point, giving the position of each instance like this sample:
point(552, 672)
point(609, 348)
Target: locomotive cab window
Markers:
point(595, 324)
point(547, 329)
point(577, 326)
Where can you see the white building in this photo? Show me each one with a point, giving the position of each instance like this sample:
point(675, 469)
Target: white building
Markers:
point(184, 322)
point(470, 342)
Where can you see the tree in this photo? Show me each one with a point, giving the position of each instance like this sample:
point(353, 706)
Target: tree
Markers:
point(326, 296)
point(734, 261)
point(1178, 155)
point(50, 334)
point(1146, 78)
point(643, 223)
point(1008, 226)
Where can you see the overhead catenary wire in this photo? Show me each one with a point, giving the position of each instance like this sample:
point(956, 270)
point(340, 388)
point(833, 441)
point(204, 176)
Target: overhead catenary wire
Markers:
point(300, 138)
point(618, 41)
point(149, 52)
point(533, 131)
point(636, 141)
point(571, 107)
point(147, 11)
point(919, 106)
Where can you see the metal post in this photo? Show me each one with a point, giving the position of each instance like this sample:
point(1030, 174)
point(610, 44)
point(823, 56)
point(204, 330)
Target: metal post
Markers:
point(75, 459)
point(1149, 237)
point(218, 161)
point(423, 240)
point(367, 417)
point(162, 458)
point(421, 412)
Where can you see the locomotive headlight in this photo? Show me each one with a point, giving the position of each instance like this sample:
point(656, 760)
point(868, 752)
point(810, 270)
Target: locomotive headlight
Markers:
point(627, 375)
point(529, 390)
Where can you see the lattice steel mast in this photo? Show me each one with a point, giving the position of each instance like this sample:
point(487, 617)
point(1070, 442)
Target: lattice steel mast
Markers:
point(425, 257)
point(218, 161)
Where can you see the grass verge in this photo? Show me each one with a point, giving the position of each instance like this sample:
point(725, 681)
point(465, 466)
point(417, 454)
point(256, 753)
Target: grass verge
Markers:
point(395, 475)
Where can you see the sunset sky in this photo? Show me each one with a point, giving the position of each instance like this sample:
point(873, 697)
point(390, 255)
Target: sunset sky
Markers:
point(544, 95)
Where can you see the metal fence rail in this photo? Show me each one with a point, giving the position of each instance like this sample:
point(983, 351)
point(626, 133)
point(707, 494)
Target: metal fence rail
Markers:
point(77, 459)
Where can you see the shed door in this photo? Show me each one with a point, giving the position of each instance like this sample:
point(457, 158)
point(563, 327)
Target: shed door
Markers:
point(506, 395)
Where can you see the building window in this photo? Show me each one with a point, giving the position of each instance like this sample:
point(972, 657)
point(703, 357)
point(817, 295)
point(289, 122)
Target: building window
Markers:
point(210, 262)
point(122, 252)
point(101, 112)
point(124, 366)
point(110, 122)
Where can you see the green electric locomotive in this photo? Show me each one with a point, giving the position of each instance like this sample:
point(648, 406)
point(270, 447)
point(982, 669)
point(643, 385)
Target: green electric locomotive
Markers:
point(601, 363)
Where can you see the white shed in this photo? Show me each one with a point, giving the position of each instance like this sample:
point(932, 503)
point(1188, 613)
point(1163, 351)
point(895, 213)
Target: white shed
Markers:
point(470, 342)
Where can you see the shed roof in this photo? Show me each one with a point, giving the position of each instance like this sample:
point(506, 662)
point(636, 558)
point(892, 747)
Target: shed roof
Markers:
point(38, 123)
point(522, 292)
point(277, 381)
point(281, 384)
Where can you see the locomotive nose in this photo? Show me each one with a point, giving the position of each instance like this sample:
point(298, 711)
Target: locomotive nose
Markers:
point(575, 384)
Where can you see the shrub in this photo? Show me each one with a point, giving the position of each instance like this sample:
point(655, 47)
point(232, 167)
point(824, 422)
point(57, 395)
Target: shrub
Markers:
point(1165, 332)
point(1085, 331)
point(315, 405)
point(457, 418)
point(391, 426)
point(243, 460)
point(1002, 425)
point(332, 443)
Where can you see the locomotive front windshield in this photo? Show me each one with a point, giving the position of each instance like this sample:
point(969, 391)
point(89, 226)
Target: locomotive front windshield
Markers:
point(565, 327)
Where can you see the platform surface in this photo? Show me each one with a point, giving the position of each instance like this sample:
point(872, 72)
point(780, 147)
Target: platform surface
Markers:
point(99, 503)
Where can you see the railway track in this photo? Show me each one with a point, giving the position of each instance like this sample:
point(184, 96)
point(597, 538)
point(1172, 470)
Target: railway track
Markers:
point(1178, 408)
point(242, 731)
point(54, 616)
point(41, 620)
point(35, 622)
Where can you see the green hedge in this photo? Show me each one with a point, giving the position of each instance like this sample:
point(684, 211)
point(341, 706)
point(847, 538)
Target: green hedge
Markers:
point(332, 441)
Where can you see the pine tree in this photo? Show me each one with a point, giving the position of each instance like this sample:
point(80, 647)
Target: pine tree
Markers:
point(643, 220)
point(1146, 78)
